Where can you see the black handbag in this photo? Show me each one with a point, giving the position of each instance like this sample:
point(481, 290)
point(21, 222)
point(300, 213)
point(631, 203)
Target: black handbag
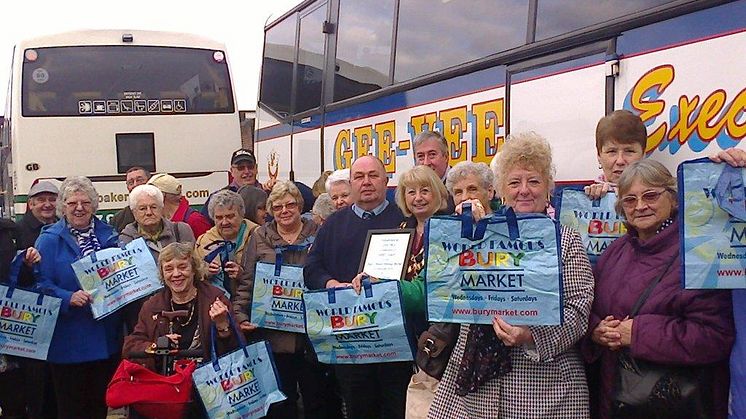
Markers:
point(651, 390)
point(434, 348)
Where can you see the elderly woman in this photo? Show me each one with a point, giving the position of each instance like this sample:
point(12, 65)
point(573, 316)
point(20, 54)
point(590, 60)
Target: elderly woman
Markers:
point(232, 231)
point(146, 203)
point(322, 208)
point(673, 326)
point(183, 274)
point(524, 371)
point(84, 352)
point(287, 228)
point(255, 203)
point(339, 189)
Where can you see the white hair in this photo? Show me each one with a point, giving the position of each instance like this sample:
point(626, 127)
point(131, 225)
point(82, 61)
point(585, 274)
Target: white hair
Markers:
point(340, 175)
point(145, 190)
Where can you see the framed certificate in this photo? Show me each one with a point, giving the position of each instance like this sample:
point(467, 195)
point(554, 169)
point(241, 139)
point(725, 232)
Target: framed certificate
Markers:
point(386, 253)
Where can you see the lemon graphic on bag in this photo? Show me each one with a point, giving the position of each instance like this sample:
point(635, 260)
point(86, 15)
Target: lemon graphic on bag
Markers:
point(314, 323)
point(698, 209)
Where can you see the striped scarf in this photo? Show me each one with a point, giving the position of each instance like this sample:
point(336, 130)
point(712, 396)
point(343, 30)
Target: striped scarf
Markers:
point(86, 239)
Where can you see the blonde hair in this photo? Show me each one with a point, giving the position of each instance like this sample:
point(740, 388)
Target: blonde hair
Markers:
point(177, 250)
point(418, 177)
point(282, 188)
point(527, 150)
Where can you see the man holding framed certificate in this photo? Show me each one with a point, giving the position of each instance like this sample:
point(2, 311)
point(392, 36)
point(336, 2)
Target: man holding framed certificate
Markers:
point(369, 390)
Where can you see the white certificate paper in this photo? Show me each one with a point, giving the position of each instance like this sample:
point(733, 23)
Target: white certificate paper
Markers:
point(386, 253)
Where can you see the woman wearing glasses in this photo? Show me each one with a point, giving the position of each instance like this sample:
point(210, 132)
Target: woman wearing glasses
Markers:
point(673, 326)
point(287, 228)
point(84, 352)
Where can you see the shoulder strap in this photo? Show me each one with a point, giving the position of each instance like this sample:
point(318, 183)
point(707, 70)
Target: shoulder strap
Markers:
point(177, 233)
point(649, 289)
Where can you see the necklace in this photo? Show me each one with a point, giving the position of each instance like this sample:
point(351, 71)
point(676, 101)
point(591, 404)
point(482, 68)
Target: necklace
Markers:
point(192, 304)
point(291, 236)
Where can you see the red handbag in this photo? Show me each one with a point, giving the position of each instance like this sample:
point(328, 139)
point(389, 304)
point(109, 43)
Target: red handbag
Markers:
point(150, 394)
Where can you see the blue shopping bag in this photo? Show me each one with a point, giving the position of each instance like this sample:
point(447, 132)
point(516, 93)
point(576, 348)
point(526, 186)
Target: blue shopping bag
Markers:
point(116, 276)
point(347, 328)
point(241, 384)
point(713, 225)
point(596, 220)
point(508, 264)
point(27, 317)
point(277, 297)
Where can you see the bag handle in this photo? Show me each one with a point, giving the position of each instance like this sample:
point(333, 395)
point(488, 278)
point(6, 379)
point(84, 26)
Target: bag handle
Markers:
point(15, 272)
point(730, 192)
point(280, 250)
point(467, 224)
point(367, 287)
point(213, 341)
point(649, 289)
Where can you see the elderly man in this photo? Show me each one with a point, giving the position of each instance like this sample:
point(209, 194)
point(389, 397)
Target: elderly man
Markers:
point(369, 390)
point(231, 230)
point(40, 211)
point(176, 206)
point(243, 171)
point(431, 149)
point(136, 176)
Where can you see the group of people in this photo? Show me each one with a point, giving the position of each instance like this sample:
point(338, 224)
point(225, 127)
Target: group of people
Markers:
point(207, 263)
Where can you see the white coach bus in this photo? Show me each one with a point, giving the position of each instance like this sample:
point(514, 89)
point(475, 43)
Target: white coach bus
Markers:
point(342, 79)
point(95, 103)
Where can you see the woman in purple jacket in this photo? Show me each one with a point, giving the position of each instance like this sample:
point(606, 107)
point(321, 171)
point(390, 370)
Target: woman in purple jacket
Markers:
point(673, 326)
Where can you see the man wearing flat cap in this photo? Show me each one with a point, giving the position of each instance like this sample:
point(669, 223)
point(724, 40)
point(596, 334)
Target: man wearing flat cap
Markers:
point(176, 206)
point(243, 172)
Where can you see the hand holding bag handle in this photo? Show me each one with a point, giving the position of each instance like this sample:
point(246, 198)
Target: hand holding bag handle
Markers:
point(15, 272)
point(469, 232)
point(213, 341)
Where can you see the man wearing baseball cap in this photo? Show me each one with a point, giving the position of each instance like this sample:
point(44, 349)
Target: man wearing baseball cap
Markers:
point(41, 210)
point(176, 206)
point(243, 172)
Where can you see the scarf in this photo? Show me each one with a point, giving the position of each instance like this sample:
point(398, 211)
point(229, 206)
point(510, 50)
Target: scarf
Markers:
point(485, 357)
point(86, 239)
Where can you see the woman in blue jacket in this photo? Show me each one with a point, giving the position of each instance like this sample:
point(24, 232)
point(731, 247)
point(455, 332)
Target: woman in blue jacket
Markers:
point(84, 352)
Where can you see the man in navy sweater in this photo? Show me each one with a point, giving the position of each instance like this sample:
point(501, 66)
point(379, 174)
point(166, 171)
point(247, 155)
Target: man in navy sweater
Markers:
point(370, 390)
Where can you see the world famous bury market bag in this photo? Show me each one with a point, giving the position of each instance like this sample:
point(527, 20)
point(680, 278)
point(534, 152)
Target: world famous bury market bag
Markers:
point(241, 384)
point(712, 198)
point(596, 221)
point(347, 328)
point(277, 297)
point(27, 318)
point(117, 276)
point(509, 264)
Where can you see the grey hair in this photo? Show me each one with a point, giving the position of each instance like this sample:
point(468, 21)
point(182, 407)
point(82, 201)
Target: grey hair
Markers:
point(650, 173)
point(340, 175)
point(324, 206)
point(466, 168)
point(74, 184)
point(226, 199)
point(145, 190)
point(431, 135)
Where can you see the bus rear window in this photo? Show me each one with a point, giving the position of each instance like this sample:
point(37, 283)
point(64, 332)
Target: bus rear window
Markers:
point(124, 80)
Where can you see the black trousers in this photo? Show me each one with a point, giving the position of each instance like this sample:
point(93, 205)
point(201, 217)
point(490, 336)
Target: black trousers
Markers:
point(40, 399)
point(81, 388)
point(375, 391)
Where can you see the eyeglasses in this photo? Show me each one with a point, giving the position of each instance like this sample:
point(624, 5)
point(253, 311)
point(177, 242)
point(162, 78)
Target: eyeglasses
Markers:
point(279, 207)
point(648, 198)
point(84, 204)
point(136, 181)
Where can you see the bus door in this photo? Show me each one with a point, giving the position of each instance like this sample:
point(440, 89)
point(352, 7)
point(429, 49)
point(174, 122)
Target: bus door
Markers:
point(561, 97)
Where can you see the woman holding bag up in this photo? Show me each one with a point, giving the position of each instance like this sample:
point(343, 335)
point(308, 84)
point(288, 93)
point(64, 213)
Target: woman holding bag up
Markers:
point(84, 352)
point(642, 316)
point(507, 371)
